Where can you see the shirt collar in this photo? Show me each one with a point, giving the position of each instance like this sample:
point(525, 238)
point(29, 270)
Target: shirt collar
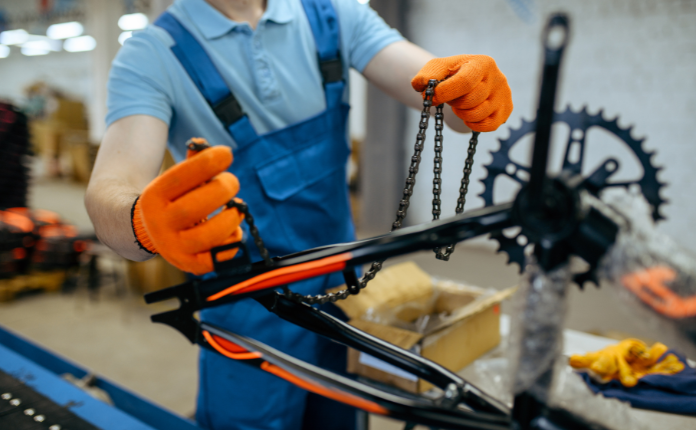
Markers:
point(214, 24)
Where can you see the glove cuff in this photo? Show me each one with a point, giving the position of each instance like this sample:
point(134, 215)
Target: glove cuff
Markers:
point(141, 238)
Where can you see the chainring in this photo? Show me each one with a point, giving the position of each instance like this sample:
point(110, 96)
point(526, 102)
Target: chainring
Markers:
point(579, 123)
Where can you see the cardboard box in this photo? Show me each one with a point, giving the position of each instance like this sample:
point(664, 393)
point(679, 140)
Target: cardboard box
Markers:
point(152, 275)
point(449, 323)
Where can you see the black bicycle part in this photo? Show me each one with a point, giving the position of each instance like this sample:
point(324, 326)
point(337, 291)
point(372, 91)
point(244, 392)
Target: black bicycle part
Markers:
point(194, 293)
point(579, 122)
point(421, 410)
point(332, 328)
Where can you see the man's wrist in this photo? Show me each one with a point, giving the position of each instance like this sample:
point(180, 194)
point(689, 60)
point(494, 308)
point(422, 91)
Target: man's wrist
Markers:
point(139, 231)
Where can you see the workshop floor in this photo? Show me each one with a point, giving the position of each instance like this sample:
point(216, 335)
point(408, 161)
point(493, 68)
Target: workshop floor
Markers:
point(112, 334)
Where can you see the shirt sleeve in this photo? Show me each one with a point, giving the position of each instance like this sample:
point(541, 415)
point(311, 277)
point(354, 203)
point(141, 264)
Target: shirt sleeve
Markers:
point(363, 32)
point(138, 81)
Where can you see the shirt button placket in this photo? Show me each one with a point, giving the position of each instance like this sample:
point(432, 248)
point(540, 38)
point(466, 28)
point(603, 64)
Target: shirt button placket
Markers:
point(266, 84)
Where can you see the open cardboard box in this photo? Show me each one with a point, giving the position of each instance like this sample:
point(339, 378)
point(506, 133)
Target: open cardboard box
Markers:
point(449, 323)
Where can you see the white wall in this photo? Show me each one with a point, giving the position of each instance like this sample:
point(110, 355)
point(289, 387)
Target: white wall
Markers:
point(634, 58)
point(70, 72)
point(81, 75)
point(84, 75)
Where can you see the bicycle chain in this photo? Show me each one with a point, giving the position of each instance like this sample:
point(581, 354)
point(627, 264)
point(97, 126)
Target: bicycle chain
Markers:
point(437, 180)
point(400, 213)
point(244, 209)
point(404, 203)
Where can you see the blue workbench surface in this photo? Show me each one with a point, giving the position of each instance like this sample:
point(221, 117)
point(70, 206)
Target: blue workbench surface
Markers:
point(41, 370)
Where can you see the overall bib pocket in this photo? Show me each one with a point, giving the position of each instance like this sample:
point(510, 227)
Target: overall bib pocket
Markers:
point(308, 191)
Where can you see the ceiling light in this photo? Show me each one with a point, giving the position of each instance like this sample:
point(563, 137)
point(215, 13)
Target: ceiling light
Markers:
point(4, 51)
point(123, 36)
point(133, 21)
point(14, 37)
point(65, 30)
point(34, 51)
point(80, 44)
point(42, 43)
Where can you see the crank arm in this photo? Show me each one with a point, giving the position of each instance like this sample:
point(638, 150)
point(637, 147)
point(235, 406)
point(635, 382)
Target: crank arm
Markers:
point(325, 325)
point(351, 392)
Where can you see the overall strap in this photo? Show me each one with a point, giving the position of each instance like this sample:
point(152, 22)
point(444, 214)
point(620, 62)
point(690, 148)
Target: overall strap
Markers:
point(324, 23)
point(208, 80)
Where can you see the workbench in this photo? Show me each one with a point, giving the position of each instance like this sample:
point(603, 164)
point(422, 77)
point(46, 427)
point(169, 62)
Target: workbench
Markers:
point(35, 394)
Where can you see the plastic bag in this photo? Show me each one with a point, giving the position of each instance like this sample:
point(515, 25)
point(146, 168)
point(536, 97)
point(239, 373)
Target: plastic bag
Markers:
point(654, 276)
point(536, 336)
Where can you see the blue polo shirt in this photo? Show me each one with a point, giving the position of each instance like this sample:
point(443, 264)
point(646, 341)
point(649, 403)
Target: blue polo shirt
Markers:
point(272, 70)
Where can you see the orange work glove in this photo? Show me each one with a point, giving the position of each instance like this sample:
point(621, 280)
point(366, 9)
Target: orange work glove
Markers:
point(170, 217)
point(475, 88)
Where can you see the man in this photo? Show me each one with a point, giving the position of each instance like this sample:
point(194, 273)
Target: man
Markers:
point(267, 79)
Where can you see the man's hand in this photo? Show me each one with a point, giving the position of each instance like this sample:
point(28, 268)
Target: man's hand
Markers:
point(170, 217)
point(473, 85)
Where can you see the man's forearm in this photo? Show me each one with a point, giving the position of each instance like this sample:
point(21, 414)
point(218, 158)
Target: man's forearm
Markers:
point(129, 158)
point(109, 204)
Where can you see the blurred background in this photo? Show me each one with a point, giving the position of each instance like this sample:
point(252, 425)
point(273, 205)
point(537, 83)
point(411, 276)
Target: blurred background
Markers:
point(631, 59)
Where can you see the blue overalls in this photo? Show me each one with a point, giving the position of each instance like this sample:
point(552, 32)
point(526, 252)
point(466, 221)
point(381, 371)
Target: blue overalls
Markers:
point(294, 180)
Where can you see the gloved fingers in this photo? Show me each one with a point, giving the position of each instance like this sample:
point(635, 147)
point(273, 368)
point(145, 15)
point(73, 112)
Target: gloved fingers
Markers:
point(626, 376)
point(472, 99)
point(655, 352)
point(498, 117)
point(201, 202)
point(477, 114)
point(668, 366)
point(582, 361)
point(211, 233)
point(437, 68)
point(470, 73)
point(196, 141)
point(236, 236)
point(202, 262)
point(191, 173)
point(197, 264)
point(605, 365)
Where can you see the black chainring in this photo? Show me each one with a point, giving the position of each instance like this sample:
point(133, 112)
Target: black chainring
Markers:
point(502, 164)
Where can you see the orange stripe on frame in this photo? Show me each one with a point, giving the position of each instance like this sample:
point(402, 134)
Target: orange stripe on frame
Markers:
point(239, 354)
point(286, 275)
point(348, 399)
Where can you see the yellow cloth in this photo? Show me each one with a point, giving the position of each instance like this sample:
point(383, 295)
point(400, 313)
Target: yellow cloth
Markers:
point(628, 361)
